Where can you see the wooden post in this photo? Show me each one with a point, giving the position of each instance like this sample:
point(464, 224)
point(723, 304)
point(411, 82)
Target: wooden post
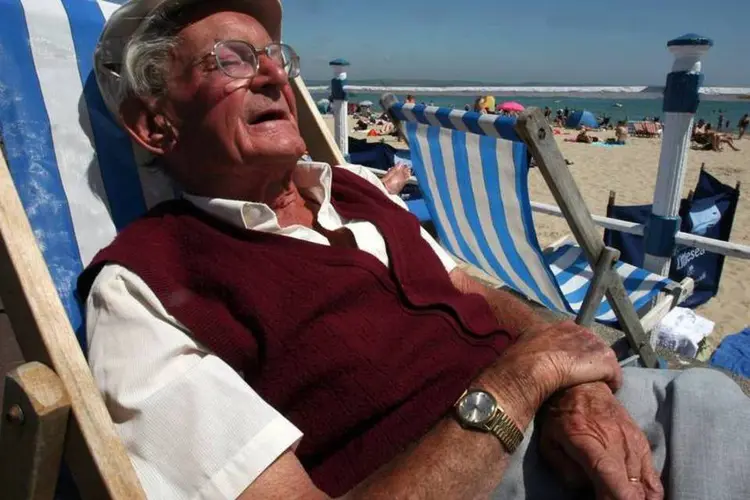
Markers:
point(612, 198)
point(340, 105)
point(681, 100)
point(611, 203)
point(604, 273)
point(32, 433)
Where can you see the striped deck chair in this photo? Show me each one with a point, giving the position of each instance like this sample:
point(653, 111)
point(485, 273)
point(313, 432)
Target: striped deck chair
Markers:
point(71, 181)
point(645, 129)
point(650, 130)
point(473, 172)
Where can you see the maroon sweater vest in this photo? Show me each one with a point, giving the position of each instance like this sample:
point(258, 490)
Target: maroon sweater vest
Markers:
point(364, 360)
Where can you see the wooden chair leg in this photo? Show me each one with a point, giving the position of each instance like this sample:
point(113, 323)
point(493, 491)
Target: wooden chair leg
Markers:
point(599, 284)
point(32, 434)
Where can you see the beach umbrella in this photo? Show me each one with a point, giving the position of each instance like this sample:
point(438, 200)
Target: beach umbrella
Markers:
point(510, 107)
point(366, 104)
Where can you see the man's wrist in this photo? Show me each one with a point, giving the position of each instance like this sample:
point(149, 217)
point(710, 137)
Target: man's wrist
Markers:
point(512, 395)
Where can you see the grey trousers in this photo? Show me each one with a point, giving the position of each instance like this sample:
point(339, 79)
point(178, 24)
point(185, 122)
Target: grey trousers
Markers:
point(698, 424)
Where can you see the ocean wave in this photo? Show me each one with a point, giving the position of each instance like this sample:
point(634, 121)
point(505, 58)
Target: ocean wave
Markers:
point(635, 91)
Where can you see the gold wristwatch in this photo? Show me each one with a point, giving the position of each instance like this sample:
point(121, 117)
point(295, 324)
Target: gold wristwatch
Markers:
point(478, 409)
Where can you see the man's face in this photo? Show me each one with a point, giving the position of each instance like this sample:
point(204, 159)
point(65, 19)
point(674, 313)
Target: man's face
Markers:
point(227, 129)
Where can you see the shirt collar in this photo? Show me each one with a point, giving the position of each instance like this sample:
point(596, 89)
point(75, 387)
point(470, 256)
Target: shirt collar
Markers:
point(313, 178)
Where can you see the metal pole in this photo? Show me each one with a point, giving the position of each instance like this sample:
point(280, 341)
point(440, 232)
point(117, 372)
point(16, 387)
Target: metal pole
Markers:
point(681, 101)
point(340, 105)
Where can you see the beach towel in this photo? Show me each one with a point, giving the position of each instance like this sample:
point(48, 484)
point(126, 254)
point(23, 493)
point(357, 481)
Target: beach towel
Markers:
point(606, 144)
point(734, 354)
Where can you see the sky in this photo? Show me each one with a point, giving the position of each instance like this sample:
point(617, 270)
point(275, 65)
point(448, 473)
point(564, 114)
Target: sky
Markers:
point(518, 41)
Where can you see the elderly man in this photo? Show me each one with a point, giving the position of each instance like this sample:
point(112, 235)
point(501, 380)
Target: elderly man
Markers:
point(287, 330)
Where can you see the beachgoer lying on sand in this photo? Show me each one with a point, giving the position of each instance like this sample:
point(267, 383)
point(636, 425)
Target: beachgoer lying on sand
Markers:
point(287, 330)
point(585, 138)
point(362, 124)
point(717, 139)
point(710, 140)
point(385, 128)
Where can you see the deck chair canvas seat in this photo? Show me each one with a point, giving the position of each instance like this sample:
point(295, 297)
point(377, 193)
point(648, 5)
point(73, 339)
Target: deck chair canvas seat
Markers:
point(472, 170)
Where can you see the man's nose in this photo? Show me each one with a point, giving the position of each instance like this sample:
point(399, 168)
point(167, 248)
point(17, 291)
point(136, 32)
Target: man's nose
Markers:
point(270, 73)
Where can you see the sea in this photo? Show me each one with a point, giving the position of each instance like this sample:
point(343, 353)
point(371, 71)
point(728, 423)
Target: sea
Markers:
point(617, 109)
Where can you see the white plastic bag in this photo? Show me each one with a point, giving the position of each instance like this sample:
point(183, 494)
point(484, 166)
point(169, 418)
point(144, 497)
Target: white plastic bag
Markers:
point(681, 330)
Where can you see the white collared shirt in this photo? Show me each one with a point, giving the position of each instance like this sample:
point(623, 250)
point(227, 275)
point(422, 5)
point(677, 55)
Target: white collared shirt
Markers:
point(192, 426)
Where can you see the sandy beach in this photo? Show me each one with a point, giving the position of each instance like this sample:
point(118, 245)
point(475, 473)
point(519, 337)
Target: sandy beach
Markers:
point(630, 170)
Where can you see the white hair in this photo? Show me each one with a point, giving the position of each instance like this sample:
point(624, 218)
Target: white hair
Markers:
point(146, 58)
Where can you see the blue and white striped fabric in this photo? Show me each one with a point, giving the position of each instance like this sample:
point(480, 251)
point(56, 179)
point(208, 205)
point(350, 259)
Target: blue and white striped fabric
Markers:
point(574, 275)
point(474, 185)
point(473, 173)
point(74, 169)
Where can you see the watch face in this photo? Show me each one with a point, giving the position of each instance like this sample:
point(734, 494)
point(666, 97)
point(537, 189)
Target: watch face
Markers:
point(476, 408)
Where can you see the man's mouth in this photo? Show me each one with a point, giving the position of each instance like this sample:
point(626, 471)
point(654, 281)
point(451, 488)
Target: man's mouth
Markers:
point(270, 115)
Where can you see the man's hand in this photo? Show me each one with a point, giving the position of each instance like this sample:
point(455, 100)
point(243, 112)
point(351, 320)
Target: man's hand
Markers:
point(550, 356)
point(588, 437)
point(555, 356)
point(545, 360)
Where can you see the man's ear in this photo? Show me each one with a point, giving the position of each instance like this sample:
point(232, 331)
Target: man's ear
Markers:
point(148, 127)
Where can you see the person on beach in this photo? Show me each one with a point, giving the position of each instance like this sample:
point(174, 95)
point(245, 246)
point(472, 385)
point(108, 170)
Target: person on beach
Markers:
point(287, 330)
point(621, 134)
point(742, 125)
point(583, 137)
point(559, 120)
point(410, 99)
point(718, 139)
point(710, 139)
point(480, 105)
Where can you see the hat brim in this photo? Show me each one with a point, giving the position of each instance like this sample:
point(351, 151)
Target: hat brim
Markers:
point(126, 20)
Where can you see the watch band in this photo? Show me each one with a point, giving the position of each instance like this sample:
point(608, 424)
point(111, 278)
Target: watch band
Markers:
point(505, 429)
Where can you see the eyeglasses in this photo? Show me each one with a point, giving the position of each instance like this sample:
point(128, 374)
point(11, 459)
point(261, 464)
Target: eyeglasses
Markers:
point(238, 59)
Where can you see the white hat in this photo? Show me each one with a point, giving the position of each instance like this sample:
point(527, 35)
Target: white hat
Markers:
point(126, 20)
